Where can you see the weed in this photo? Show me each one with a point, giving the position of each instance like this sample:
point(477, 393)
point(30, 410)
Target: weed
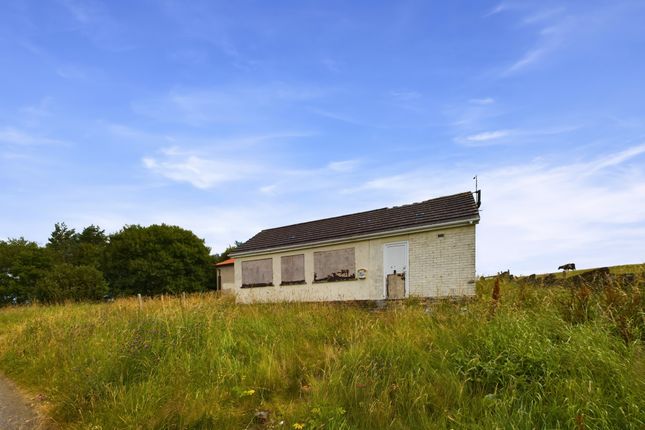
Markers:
point(565, 356)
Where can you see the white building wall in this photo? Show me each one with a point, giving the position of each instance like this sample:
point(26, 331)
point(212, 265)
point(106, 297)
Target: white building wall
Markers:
point(227, 274)
point(443, 266)
point(438, 266)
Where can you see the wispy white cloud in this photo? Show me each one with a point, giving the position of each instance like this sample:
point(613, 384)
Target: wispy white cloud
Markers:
point(487, 135)
point(614, 159)
point(76, 72)
point(350, 118)
point(338, 117)
point(543, 15)
point(232, 105)
point(40, 109)
point(95, 22)
point(199, 171)
point(84, 11)
point(189, 56)
point(13, 136)
point(483, 101)
point(134, 134)
point(221, 226)
point(485, 138)
point(557, 30)
point(560, 28)
point(499, 8)
point(33, 115)
point(240, 145)
point(390, 183)
point(405, 95)
point(243, 141)
point(268, 189)
point(210, 162)
point(520, 136)
point(474, 114)
point(539, 214)
point(288, 181)
point(343, 166)
point(555, 27)
point(530, 57)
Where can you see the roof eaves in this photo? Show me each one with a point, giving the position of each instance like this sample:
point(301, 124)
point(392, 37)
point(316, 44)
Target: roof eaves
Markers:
point(227, 262)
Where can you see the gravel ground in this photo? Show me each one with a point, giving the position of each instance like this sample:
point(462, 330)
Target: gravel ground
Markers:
point(15, 411)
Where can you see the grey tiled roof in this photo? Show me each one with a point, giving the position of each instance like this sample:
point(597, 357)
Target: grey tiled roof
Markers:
point(440, 210)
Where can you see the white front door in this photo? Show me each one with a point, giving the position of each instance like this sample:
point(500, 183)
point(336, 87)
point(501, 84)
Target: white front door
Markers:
point(395, 262)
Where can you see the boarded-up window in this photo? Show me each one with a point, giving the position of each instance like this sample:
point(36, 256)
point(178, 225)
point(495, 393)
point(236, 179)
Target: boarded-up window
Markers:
point(257, 273)
point(337, 265)
point(292, 269)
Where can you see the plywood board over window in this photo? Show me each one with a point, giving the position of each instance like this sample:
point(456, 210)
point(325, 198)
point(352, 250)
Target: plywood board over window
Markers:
point(336, 265)
point(292, 269)
point(257, 273)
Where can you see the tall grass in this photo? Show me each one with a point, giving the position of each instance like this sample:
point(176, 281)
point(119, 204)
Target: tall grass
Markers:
point(204, 362)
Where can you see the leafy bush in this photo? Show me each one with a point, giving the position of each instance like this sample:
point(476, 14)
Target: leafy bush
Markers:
point(66, 282)
point(157, 259)
point(22, 265)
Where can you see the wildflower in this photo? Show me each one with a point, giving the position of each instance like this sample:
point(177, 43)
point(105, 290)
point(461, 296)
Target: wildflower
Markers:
point(298, 426)
point(246, 393)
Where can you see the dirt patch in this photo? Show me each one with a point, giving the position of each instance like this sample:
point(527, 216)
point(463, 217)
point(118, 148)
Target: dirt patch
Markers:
point(16, 412)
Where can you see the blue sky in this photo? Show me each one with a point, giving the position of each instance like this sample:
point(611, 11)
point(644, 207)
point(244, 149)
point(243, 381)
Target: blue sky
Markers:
point(227, 118)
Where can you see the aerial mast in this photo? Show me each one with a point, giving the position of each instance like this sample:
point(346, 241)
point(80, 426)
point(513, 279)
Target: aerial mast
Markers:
point(478, 192)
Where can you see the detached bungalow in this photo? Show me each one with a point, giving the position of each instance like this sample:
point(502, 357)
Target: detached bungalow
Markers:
point(424, 249)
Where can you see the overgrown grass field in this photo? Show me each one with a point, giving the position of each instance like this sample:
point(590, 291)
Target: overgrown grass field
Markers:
point(538, 357)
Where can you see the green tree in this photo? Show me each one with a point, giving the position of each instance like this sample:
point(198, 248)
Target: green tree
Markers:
point(80, 249)
point(22, 265)
point(156, 259)
point(92, 242)
point(93, 234)
point(67, 282)
point(63, 243)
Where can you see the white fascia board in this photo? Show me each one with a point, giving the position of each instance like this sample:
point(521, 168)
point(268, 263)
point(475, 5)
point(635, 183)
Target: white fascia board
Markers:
point(357, 238)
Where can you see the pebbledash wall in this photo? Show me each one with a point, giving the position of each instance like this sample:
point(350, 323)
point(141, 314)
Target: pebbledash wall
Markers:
point(441, 263)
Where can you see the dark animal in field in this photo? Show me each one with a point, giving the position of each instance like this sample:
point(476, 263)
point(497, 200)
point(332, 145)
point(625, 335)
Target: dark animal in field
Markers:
point(568, 266)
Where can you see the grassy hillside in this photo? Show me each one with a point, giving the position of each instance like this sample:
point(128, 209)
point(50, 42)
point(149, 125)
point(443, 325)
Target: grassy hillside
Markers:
point(637, 269)
point(557, 357)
